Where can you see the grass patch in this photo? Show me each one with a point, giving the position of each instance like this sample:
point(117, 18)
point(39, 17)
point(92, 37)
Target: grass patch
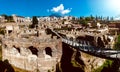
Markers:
point(19, 70)
point(74, 63)
point(77, 65)
point(107, 65)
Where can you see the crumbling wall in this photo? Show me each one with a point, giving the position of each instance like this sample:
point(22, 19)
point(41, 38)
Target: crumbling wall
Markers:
point(20, 55)
point(102, 41)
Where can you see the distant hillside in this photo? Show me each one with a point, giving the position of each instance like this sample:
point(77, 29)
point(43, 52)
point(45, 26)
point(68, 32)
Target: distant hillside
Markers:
point(55, 15)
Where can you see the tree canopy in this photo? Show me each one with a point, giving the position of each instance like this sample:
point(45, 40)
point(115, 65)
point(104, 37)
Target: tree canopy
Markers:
point(117, 44)
point(34, 22)
point(8, 18)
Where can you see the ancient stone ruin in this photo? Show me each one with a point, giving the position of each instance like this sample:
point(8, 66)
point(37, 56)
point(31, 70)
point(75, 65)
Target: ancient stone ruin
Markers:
point(31, 49)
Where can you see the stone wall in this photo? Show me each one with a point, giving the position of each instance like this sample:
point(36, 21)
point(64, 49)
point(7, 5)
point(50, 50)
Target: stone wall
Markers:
point(32, 55)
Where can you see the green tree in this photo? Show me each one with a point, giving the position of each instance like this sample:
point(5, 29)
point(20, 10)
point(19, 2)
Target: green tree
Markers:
point(83, 22)
point(96, 18)
point(81, 18)
point(101, 18)
point(106, 67)
point(88, 18)
point(73, 18)
point(111, 19)
point(34, 22)
point(92, 18)
point(117, 44)
point(4, 15)
point(10, 19)
point(107, 18)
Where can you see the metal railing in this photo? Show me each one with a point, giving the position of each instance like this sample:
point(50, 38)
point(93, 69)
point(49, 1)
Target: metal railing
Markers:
point(87, 48)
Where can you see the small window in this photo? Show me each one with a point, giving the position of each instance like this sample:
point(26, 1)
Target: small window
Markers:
point(9, 31)
point(48, 51)
point(33, 50)
point(29, 30)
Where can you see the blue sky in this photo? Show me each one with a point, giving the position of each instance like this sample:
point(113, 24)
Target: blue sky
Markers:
point(64, 7)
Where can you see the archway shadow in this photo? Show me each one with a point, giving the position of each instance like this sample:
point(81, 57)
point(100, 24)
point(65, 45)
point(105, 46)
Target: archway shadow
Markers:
point(33, 50)
point(5, 66)
point(48, 51)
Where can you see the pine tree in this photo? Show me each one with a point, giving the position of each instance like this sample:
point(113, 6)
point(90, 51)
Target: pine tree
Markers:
point(34, 22)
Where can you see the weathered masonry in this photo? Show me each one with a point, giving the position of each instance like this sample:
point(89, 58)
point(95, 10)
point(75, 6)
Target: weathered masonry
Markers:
point(32, 53)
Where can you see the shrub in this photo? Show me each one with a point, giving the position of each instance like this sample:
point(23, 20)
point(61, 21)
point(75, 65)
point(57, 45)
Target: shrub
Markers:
point(105, 67)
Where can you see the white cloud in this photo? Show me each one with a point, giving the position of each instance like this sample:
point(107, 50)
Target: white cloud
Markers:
point(60, 9)
point(65, 11)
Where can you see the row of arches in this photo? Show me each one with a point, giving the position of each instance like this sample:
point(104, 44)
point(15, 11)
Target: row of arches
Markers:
point(34, 50)
point(94, 41)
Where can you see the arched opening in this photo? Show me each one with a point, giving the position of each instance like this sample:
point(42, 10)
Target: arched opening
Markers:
point(71, 38)
point(33, 50)
point(80, 38)
point(48, 51)
point(9, 31)
point(100, 42)
point(18, 49)
point(5, 46)
point(37, 33)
